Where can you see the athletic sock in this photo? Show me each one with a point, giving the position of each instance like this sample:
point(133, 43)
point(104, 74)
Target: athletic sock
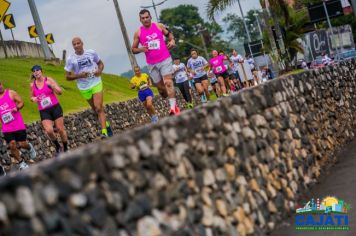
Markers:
point(172, 102)
point(65, 146)
point(107, 123)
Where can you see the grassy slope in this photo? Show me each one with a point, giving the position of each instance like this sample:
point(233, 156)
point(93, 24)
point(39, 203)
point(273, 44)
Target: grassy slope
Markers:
point(15, 74)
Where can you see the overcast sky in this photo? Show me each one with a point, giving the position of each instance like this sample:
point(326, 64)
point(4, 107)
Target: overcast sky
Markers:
point(96, 22)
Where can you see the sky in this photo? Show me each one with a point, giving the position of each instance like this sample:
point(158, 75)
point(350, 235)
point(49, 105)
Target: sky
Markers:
point(95, 21)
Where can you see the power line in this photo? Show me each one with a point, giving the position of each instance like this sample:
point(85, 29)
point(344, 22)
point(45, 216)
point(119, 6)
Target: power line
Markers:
point(154, 5)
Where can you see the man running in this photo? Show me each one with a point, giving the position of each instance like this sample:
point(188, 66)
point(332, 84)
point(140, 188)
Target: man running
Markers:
point(85, 66)
point(182, 81)
point(142, 83)
point(219, 69)
point(44, 90)
point(151, 37)
point(13, 126)
point(196, 66)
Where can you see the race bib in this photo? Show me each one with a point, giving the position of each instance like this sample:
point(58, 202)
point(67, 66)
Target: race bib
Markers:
point(7, 117)
point(154, 44)
point(143, 86)
point(46, 102)
point(219, 69)
point(199, 70)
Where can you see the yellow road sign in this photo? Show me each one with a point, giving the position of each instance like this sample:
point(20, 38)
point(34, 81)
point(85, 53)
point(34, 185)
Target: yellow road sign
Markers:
point(9, 21)
point(32, 31)
point(4, 5)
point(49, 38)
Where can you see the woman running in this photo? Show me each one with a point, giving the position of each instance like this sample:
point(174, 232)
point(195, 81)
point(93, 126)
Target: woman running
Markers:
point(219, 69)
point(44, 90)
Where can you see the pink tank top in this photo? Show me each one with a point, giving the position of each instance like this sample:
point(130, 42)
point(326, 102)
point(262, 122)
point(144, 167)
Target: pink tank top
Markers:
point(154, 40)
point(45, 96)
point(218, 64)
point(10, 121)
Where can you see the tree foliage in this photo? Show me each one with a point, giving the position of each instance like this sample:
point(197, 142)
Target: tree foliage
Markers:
point(185, 22)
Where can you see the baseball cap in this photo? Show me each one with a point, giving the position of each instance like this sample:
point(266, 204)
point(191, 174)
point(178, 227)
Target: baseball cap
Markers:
point(36, 67)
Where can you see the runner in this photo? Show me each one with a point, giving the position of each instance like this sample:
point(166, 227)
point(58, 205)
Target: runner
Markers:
point(243, 68)
point(151, 37)
point(142, 83)
point(235, 59)
point(254, 70)
point(196, 66)
point(85, 66)
point(182, 81)
point(13, 126)
point(230, 81)
point(44, 90)
point(219, 69)
point(214, 83)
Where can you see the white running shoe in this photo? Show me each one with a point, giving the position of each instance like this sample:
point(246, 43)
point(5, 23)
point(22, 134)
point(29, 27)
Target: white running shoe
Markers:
point(32, 152)
point(23, 165)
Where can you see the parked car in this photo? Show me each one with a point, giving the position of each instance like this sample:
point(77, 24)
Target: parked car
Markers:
point(317, 63)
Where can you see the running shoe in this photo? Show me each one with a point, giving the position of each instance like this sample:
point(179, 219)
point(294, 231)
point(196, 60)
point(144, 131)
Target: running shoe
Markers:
point(109, 129)
point(154, 119)
point(174, 111)
point(23, 165)
point(225, 95)
point(2, 171)
point(32, 152)
point(190, 105)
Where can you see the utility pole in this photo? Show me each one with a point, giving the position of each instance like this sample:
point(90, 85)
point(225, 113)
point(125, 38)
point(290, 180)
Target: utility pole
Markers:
point(154, 5)
point(246, 29)
point(353, 3)
point(124, 34)
point(331, 28)
point(3, 44)
point(200, 31)
point(39, 28)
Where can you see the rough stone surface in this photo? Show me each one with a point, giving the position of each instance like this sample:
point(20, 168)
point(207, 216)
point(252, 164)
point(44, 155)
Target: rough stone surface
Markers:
point(233, 167)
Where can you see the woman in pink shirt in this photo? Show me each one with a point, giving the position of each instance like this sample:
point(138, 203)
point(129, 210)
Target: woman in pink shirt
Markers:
point(13, 126)
point(219, 69)
point(44, 90)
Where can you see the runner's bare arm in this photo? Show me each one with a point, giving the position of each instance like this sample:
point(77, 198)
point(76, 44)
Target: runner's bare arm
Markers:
point(32, 98)
point(72, 76)
point(100, 68)
point(132, 86)
point(54, 86)
point(17, 99)
point(168, 34)
point(136, 41)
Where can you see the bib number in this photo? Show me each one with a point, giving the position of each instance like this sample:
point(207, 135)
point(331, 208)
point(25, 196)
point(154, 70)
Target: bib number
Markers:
point(46, 102)
point(154, 45)
point(219, 69)
point(7, 117)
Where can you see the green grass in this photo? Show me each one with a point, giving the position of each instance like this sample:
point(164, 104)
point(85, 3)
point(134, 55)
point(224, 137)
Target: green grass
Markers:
point(15, 74)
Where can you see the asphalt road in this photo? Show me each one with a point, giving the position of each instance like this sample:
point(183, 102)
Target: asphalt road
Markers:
point(338, 181)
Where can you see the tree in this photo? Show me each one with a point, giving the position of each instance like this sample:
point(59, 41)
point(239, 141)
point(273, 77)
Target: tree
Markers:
point(237, 29)
point(185, 22)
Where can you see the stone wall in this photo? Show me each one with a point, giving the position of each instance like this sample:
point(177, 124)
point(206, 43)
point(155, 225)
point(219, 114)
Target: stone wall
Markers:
point(22, 49)
point(83, 127)
point(233, 167)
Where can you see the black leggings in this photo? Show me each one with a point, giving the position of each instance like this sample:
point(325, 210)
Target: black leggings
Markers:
point(184, 89)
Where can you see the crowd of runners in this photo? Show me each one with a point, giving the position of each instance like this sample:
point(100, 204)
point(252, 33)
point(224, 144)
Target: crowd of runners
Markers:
point(222, 73)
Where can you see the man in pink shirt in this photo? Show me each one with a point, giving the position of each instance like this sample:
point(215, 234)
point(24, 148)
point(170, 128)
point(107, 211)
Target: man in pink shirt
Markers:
point(151, 37)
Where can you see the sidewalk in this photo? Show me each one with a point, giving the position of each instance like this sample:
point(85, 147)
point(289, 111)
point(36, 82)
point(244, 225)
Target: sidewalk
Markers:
point(340, 181)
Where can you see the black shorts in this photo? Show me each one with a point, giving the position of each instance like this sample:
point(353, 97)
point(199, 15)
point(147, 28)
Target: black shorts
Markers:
point(225, 75)
point(52, 113)
point(200, 79)
point(18, 136)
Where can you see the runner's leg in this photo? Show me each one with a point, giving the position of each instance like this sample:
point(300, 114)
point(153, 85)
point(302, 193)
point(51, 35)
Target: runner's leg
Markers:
point(48, 127)
point(59, 123)
point(205, 86)
point(99, 109)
